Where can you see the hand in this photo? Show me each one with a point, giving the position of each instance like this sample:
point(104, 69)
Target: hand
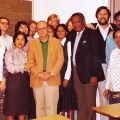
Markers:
point(29, 65)
point(93, 80)
point(32, 62)
point(65, 83)
point(44, 76)
point(90, 26)
point(3, 85)
point(106, 93)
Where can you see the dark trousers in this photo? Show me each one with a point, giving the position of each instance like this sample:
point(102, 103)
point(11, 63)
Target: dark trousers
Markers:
point(113, 100)
point(86, 98)
point(2, 116)
point(32, 113)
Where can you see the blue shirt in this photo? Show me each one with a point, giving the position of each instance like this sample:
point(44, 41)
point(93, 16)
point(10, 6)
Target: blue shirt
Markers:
point(110, 46)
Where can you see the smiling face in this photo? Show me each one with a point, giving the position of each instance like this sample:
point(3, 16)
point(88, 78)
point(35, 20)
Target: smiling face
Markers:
point(61, 33)
point(4, 24)
point(117, 21)
point(19, 41)
point(42, 29)
point(78, 23)
point(103, 17)
point(70, 26)
point(33, 28)
point(117, 38)
point(23, 28)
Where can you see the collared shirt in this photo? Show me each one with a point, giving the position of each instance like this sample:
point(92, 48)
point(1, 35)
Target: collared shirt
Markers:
point(104, 31)
point(68, 70)
point(25, 48)
point(15, 60)
point(77, 40)
point(2, 51)
point(7, 41)
point(110, 46)
point(113, 71)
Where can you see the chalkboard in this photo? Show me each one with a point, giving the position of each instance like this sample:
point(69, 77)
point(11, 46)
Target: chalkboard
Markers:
point(15, 10)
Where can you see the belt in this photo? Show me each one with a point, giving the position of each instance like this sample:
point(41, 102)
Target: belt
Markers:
point(116, 95)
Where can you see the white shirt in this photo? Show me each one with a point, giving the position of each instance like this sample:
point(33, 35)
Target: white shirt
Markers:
point(2, 51)
point(113, 71)
point(104, 31)
point(77, 40)
point(7, 41)
point(68, 71)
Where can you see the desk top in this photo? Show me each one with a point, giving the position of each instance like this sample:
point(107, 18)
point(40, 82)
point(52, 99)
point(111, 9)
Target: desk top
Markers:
point(112, 110)
point(54, 117)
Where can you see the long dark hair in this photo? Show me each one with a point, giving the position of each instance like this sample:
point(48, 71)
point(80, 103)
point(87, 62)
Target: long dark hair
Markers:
point(19, 23)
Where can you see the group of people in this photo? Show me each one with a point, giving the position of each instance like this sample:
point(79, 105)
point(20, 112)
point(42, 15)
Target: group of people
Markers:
point(59, 71)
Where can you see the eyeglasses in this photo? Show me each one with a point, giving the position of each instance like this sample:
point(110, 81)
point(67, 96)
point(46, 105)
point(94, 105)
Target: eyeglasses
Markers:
point(43, 28)
point(4, 23)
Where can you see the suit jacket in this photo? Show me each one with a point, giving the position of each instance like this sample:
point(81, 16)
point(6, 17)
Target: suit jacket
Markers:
point(54, 61)
point(102, 42)
point(87, 57)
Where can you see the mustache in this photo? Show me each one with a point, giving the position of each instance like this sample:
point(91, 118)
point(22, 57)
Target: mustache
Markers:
point(103, 18)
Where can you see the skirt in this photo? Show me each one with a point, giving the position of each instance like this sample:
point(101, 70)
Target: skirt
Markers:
point(17, 94)
point(67, 98)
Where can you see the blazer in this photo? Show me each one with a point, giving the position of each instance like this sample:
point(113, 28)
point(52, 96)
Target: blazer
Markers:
point(102, 42)
point(87, 57)
point(55, 61)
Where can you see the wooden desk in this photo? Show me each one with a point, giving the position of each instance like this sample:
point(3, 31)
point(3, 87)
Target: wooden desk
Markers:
point(112, 110)
point(54, 117)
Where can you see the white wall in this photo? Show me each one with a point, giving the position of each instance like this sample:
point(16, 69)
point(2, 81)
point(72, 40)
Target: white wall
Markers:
point(64, 8)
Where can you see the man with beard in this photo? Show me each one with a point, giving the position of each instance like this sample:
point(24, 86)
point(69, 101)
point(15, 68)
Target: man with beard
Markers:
point(103, 28)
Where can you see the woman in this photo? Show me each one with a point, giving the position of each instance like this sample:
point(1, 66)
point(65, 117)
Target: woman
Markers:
point(67, 99)
point(29, 30)
point(23, 26)
point(53, 20)
point(16, 101)
point(69, 25)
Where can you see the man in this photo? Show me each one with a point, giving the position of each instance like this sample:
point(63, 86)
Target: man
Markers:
point(6, 41)
point(5, 38)
point(112, 86)
point(110, 43)
point(103, 28)
point(85, 66)
point(117, 19)
point(47, 56)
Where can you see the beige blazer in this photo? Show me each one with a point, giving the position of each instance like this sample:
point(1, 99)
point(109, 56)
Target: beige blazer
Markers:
point(55, 61)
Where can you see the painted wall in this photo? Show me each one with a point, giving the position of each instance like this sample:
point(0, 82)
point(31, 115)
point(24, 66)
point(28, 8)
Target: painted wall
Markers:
point(64, 8)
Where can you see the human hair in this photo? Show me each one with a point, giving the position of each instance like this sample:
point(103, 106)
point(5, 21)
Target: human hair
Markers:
point(53, 16)
point(68, 21)
point(5, 19)
point(115, 31)
point(32, 21)
point(116, 15)
point(52, 28)
point(64, 27)
point(20, 33)
point(42, 21)
point(101, 8)
point(78, 14)
point(19, 23)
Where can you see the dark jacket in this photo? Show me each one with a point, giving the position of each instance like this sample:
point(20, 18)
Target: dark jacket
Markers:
point(87, 56)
